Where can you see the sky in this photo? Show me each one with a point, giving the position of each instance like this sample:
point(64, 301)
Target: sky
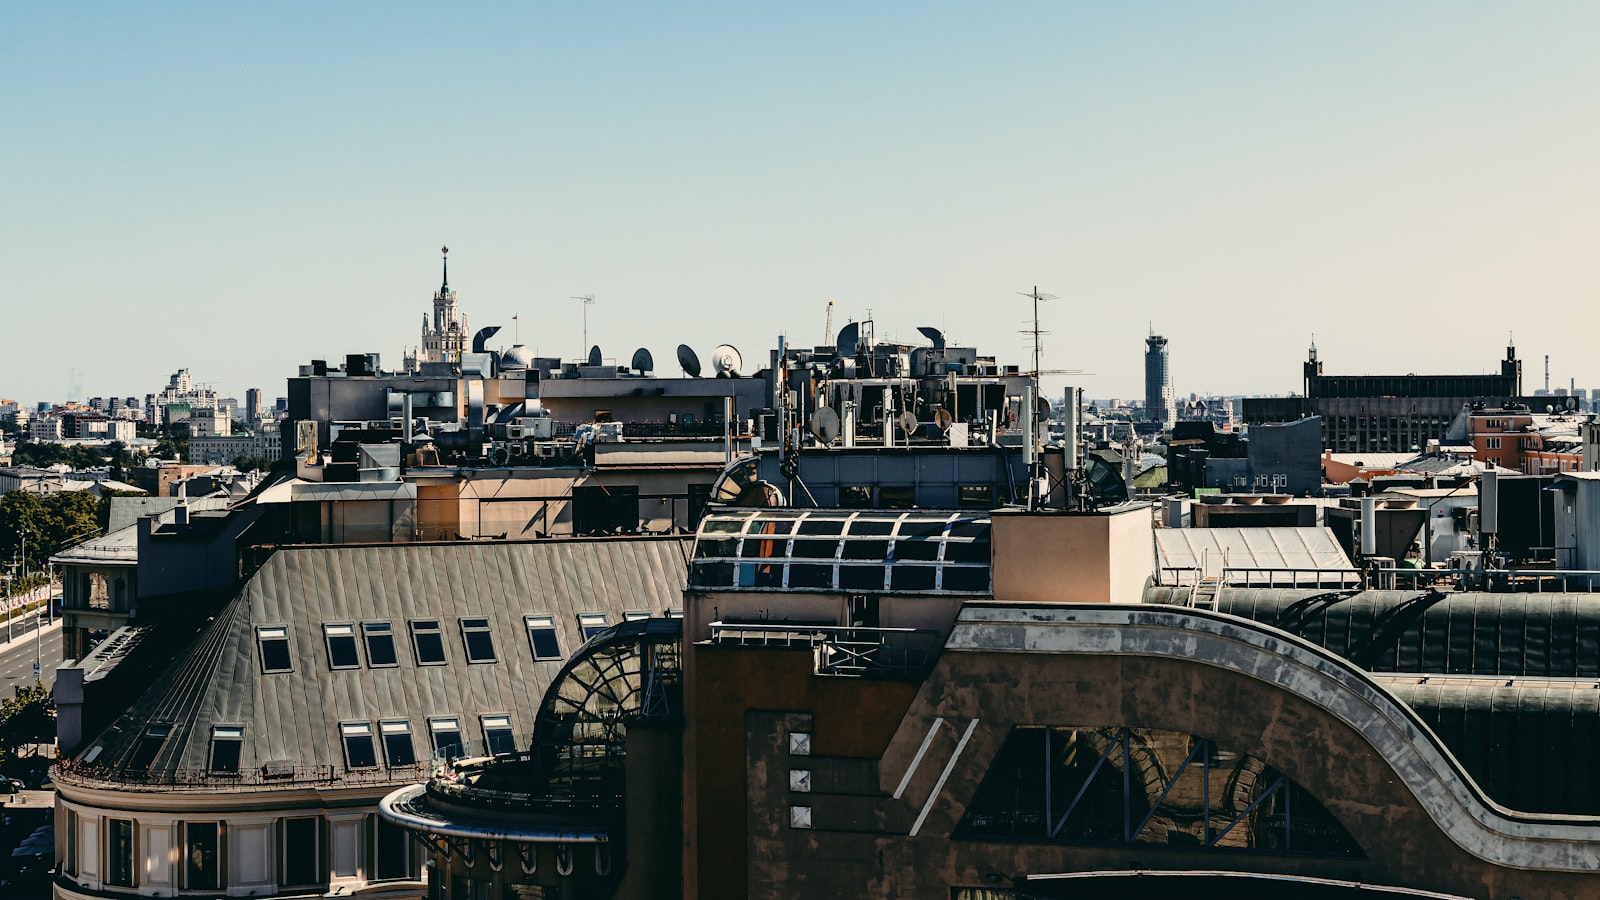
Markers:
point(239, 188)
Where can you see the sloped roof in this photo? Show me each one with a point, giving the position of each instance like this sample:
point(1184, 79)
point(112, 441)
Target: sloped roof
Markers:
point(291, 719)
point(1254, 548)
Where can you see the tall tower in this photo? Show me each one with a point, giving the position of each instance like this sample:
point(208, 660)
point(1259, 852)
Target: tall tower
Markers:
point(444, 338)
point(1311, 368)
point(1158, 406)
point(1511, 368)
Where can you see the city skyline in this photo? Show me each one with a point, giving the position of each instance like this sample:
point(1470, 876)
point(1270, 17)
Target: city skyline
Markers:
point(232, 191)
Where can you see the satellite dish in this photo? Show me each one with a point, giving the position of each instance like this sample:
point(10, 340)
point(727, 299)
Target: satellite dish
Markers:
point(642, 362)
point(1043, 406)
point(908, 422)
point(594, 355)
point(932, 334)
point(726, 361)
point(1572, 403)
point(688, 359)
point(1548, 408)
point(825, 425)
point(943, 419)
point(849, 338)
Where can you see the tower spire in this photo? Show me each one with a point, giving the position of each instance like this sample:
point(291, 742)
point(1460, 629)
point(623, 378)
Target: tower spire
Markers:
point(444, 288)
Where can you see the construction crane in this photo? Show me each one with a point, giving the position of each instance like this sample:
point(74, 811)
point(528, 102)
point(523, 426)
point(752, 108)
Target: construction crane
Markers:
point(827, 329)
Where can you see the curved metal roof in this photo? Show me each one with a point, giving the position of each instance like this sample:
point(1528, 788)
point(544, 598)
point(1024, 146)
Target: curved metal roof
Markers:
point(1555, 635)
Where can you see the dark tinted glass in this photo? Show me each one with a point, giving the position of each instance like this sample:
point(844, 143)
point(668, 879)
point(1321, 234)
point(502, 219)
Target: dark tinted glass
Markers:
point(960, 551)
point(821, 526)
point(911, 578)
point(200, 856)
point(299, 851)
point(500, 740)
point(275, 655)
point(872, 526)
point(359, 751)
point(380, 648)
point(398, 748)
point(428, 642)
point(973, 580)
point(480, 646)
point(865, 550)
point(446, 741)
point(803, 575)
point(342, 651)
point(861, 578)
point(814, 549)
point(545, 644)
point(145, 753)
point(225, 756)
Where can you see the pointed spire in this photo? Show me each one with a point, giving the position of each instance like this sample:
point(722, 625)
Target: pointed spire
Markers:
point(1313, 345)
point(445, 287)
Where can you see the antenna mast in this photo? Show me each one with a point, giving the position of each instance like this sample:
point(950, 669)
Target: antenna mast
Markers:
point(588, 301)
point(1036, 332)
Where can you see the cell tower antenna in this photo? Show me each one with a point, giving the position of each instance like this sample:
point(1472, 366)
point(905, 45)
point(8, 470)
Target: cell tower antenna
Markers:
point(1036, 332)
point(827, 328)
point(588, 301)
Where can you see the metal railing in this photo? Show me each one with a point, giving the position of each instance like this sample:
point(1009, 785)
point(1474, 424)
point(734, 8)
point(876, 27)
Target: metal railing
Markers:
point(265, 778)
point(842, 650)
point(1499, 581)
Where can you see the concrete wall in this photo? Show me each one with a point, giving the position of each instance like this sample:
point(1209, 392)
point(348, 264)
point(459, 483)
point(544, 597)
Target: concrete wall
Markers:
point(1055, 557)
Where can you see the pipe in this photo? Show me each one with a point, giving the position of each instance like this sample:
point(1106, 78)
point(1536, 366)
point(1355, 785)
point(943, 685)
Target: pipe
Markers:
point(1369, 526)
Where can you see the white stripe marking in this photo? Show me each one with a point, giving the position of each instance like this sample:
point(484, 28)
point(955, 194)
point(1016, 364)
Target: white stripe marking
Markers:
point(939, 786)
point(917, 760)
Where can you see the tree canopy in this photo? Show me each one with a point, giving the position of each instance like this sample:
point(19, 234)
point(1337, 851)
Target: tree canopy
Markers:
point(48, 522)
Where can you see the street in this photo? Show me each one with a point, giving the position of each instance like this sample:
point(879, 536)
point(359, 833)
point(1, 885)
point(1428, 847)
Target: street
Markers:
point(16, 656)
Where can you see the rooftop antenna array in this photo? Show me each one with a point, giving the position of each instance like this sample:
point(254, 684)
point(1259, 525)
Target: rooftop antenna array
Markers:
point(588, 301)
point(642, 361)
point(1036, 332)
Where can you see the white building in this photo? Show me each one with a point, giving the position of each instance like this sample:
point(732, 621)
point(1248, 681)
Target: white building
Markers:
point(445, 337)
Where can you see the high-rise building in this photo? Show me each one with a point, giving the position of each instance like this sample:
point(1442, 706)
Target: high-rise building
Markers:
point(1158, 405)
point(444, 338)
point(252, 404)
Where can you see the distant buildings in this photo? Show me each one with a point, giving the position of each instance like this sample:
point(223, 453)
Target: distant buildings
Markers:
point(1158, 396)
point(445, 337)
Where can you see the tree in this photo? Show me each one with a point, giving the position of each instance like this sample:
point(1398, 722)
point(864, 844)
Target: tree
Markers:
point(45, 523)
point(249, 463)
point(26, 719)
point(173, 442)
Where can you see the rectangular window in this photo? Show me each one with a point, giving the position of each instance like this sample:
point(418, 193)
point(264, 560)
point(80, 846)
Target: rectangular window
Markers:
point(359, 750)
point(274, 642)
point(591, 624)
point(497, 735)
point(446, 736)
point(72, 842)
point(975, 496)
point(201, 869)
point(380, 644)
point(226, 742)
point(394, 850)
point(300, 851)
point(635, 615)
point(1492, 443)
point(397, 745)
point(428, 641)
point(479, 640)
point(149, 746)
point(542, 637)
point(119, 852)
point(341, 646)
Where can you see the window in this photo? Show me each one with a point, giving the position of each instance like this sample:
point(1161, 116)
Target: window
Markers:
point(341, 646)
point(71, 862)
point(542, 637)
point(635, 615)
point(149, 746)
point(479, 640)
point(394, 850)
point(497, 736)
point(119, 852)
point(591, 624)
point(300, 851)
point(1492, 443)
point(274, 641)
point(973, 496)
point(428, 642)
point(380, 644)
point(397, 746)
point(226, 742)
point(446, 736)
point(359, 750)
point(200, 845)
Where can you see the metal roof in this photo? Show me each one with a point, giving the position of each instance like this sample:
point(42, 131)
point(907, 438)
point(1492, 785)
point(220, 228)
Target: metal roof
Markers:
point(291, 720)
point(1529, 743)
point(1209, 549)
point(1467, 633)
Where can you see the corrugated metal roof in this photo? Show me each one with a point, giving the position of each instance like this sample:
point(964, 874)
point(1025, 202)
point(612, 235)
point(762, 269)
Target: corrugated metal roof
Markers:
point(1531, 744)
point(1465, 633)
point(293, 717)
point(1258, 548)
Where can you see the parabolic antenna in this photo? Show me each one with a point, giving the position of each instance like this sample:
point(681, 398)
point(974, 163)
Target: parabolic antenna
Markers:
point(642, 362)
point(726, 361)
point(1572, 403)
point(825, 425)
point(849, 337)
point(943, 419)
point(908, 422)
point(1043, 406)
point(689, 360)
point(594, 355)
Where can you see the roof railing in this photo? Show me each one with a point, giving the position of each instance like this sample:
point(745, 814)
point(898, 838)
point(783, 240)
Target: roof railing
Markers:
point(265, 778)
point(842, 650)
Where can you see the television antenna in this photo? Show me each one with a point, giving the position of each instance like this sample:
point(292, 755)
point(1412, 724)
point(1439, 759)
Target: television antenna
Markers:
point(588, 301)
point(1036, 332)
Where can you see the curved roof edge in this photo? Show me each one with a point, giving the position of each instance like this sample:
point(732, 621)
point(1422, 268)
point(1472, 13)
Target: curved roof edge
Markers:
point(404, 808)
point(1441, 785)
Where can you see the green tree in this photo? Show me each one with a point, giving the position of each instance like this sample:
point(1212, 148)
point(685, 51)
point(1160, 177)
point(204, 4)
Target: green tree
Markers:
point(172, 442)
point(26, 719)
point(249, 463)
point(43, 524)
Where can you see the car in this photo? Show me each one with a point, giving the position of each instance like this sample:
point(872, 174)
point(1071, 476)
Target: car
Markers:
point(10, 786)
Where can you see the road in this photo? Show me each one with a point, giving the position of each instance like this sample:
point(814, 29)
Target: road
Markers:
point(16, 657)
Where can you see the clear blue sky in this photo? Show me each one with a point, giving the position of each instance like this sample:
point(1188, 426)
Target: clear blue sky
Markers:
point(238, 188)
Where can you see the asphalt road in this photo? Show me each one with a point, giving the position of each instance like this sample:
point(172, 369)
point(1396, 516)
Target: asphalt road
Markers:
point(16, 656)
